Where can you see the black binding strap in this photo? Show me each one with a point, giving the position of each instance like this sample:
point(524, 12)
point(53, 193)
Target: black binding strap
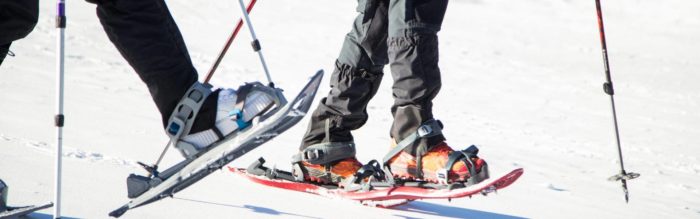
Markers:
point(242, 95)
point(242, 92)
point(363, 178)
point(466, 156)
point(430, 128)
point(324, 153)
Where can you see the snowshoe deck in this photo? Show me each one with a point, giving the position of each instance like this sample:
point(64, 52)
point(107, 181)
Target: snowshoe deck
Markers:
point(407, 191)
point(329, 191)
point(188, 172)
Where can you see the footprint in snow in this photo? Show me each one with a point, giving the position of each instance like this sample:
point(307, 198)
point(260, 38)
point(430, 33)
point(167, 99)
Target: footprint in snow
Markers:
point(554, 188)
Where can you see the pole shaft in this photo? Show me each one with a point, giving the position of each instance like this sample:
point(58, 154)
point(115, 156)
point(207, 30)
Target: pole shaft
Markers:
point(59, 120)
point(228, 44)
point(255, 42)
point(603, 42)
point(609, 86)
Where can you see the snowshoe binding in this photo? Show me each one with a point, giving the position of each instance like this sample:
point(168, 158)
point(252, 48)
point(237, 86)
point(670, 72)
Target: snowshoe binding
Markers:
point(236, 110)
point(326, 163)
point(436, 167)
point(259, 115)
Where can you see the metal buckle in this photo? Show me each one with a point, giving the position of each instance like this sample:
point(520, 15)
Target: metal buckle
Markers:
point(314, 154)
point(441, 176)
point(424, 130)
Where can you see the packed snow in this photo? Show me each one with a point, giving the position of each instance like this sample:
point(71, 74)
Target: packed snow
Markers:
point(522, 80)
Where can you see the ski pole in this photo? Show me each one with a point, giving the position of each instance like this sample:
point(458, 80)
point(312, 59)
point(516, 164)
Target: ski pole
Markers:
point(623, 176)
point(59, 119)
point(256, 43)
point(228, 44)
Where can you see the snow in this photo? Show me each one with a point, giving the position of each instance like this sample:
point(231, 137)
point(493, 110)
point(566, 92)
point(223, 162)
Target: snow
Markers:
point(522, 80)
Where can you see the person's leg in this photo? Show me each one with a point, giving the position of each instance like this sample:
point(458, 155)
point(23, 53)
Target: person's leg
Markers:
point(146, 35)
point(148, 38)
point(17, 20)
point(355, 80)
point(413, 55)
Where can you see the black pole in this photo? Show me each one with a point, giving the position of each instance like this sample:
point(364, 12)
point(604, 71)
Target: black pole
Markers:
point(623, 176)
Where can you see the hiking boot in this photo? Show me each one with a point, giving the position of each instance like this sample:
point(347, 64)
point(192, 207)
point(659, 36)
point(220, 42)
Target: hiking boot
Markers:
point(332, 173)
point(403, 166)
point(235, 110)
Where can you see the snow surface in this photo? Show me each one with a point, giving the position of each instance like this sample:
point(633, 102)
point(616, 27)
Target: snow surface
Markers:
point(522, 79)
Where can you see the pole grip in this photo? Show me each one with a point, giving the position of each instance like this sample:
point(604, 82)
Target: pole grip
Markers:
point(61, 15)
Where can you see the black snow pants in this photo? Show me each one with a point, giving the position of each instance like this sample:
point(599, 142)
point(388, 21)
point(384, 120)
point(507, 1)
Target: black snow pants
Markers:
point(17, 20)
point(403, 34)
point(146, 35)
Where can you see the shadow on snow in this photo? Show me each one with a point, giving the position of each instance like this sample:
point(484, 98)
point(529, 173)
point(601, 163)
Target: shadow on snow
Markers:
point(433, 209)
point(252, 208)
point(36, 215)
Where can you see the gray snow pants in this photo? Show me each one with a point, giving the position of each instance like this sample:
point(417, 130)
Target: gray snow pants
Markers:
point(403, 34)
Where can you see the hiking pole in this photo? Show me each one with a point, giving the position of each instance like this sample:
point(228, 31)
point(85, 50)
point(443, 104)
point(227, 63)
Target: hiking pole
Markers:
point(228, 44)
point(256, 43)
point(608, 88)
point(59, 119)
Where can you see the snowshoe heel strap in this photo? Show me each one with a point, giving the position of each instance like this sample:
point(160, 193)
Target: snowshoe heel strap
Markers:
point(466, 156)
point(183, 117)
point(325, 153)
